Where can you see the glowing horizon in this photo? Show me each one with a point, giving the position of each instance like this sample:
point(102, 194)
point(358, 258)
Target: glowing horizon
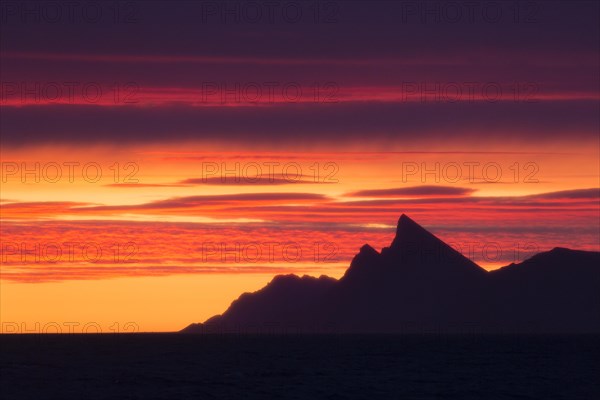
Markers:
point(154, 181)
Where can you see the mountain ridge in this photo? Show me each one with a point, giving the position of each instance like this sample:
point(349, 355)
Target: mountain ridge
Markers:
point(420, 284)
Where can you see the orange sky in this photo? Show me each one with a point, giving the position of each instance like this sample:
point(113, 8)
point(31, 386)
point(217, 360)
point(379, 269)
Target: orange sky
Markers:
point(196, 228)
point(155, 166)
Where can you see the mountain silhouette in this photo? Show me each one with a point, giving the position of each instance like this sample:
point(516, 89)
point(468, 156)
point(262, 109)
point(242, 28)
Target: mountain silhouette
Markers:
point(420, 284)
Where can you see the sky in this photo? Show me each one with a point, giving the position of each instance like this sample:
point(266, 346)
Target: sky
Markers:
point(158, 159)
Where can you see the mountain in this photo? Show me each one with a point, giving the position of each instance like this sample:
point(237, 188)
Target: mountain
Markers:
point(420, 284)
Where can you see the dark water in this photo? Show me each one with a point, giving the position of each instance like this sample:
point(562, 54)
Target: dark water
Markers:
point(171, 366)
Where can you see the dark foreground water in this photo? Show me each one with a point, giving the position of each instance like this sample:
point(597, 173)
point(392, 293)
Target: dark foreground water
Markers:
point(172, 366)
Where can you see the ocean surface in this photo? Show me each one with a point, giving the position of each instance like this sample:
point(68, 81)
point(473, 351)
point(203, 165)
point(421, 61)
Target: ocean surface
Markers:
point(175, 366)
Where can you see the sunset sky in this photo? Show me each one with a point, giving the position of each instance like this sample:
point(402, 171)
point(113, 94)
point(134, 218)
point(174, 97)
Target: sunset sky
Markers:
point(158, 161)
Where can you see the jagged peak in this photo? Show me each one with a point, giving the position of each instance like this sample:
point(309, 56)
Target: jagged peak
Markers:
point(407, 227)
point(368, 249)
point(285, 277)
point(405, 219)
point(371, 292)
point(410, 232)
point(559, 253)
point(293, 279)
point(560, 250)
point(415, 244)
point(362, 261)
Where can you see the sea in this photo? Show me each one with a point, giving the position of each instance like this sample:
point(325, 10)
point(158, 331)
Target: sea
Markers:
point(328, 366)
